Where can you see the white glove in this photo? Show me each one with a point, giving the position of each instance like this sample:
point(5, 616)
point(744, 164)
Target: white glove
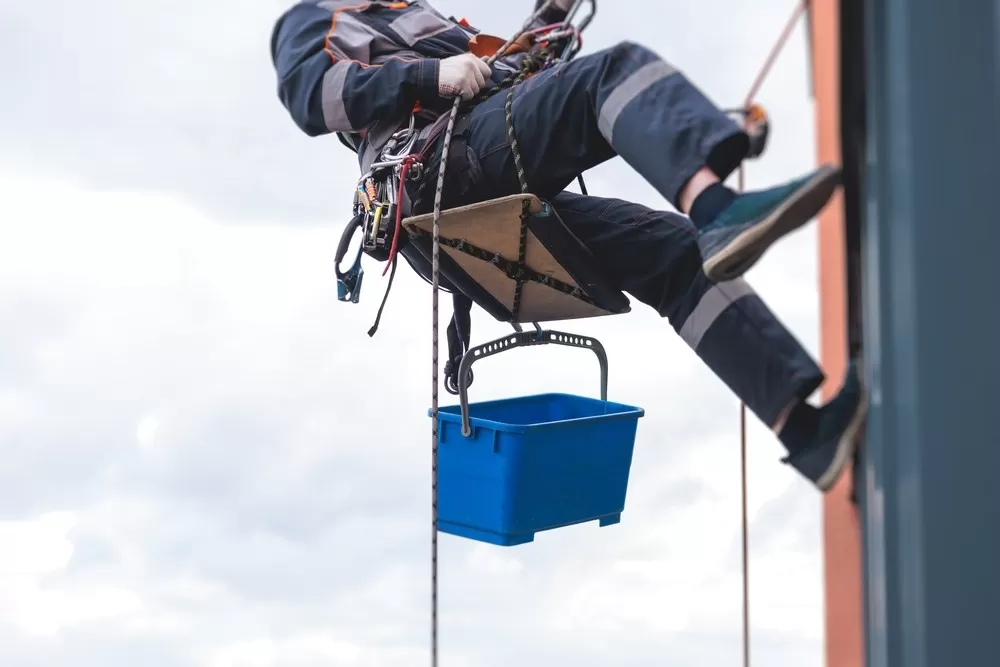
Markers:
point(463, 75)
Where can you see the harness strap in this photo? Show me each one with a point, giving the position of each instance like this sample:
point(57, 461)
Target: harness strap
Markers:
point(459, 337)
point(517, 271)
point(385, 299)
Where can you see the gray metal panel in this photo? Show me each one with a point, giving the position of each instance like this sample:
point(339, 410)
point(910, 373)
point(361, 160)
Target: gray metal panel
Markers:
point(931, 491)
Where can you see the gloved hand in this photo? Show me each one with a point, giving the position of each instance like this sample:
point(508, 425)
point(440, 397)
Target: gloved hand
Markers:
point(464, 75)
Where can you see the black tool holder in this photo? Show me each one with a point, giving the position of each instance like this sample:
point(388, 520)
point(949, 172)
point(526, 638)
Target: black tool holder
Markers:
point(524, 339)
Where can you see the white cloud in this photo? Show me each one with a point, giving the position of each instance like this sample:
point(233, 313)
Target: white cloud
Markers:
point(35, 547)
point(33, 550)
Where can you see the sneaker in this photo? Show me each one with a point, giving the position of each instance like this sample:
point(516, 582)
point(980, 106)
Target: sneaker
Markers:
point(734, 242)
point(841, 420)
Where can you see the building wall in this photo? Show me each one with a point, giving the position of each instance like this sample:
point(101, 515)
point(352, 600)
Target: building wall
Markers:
point(841, 528)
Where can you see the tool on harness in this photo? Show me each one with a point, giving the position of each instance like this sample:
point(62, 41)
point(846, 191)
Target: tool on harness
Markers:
point(349, 282)
point(377, 199)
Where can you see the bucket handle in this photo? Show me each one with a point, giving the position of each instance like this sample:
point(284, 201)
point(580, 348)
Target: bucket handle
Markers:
point(525, 339)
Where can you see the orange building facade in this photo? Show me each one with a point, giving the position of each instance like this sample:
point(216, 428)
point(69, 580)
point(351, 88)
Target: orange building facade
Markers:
point(841, 523)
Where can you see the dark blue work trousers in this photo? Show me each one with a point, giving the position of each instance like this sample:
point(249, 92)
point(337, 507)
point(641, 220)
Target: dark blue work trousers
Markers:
point(627, 101)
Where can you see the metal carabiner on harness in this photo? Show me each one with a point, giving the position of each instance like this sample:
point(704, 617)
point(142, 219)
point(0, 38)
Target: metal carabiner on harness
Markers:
point(565, 31)
point(574, 45)
point(393, 152)
point(349, 282)
point(376, 195)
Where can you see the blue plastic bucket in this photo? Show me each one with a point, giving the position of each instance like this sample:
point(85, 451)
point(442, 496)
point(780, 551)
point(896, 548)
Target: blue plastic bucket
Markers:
point(533, 463)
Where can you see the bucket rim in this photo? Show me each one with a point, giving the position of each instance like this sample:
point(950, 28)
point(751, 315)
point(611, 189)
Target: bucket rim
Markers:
point(623, 412)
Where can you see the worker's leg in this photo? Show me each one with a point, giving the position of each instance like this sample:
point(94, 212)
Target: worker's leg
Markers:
point(627, 101)
point(654, 256)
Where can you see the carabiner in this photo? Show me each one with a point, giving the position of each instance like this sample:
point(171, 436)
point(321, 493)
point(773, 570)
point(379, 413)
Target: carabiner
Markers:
point(349, 282)
point(574, 45)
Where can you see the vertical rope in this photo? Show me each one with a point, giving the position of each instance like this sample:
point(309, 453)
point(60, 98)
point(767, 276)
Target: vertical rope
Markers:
point(779, 45)
point(435, 329)
point(435, 283)
point(746, 538)
point(744, 521)
point(800, 8)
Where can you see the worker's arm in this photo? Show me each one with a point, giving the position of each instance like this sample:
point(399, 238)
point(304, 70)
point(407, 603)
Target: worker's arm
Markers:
point(326, 83)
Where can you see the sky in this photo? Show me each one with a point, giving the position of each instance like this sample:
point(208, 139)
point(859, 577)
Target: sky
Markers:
point(193, 471)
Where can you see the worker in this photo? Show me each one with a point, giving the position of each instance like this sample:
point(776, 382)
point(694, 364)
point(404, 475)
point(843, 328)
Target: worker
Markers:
point(359, 70)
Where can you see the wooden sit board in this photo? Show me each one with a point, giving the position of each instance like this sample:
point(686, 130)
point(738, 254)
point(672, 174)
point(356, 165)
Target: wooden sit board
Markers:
point(495, 226)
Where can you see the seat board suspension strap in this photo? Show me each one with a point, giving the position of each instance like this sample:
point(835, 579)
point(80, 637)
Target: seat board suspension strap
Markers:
point(516, 271)
point(385, 298)
point(459, 339)
point(522, 249)
point(531, 64)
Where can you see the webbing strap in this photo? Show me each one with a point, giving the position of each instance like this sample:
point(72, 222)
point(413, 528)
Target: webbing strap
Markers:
point(522, 251)
point(459, 338)
point(516, 271)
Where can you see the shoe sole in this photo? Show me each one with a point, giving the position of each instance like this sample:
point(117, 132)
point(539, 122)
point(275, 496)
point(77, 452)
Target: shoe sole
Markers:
point(748, 247)
point(847, 446)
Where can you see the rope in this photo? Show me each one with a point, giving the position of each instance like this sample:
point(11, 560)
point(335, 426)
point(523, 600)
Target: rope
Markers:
point(776, 50)
point(765, 69)
point(435, 307)
point(746, 537)
point(744, 520)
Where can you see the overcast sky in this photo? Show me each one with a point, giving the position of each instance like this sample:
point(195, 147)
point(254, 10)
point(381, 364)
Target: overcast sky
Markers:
point(189, 474)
